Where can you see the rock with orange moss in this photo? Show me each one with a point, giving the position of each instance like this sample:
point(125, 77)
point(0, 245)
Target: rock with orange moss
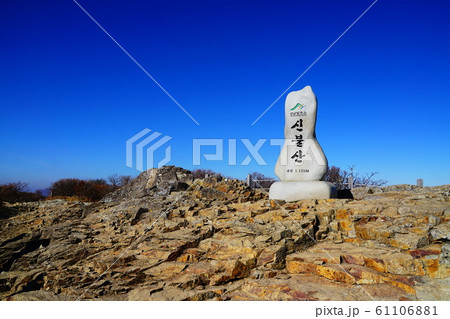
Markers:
point(220, 240)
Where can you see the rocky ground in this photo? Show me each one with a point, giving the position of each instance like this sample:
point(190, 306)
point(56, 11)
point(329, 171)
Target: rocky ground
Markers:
point(168, 237)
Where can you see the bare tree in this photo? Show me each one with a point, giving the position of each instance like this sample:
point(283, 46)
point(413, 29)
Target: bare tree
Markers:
point(125, 179)
point(90, 190)
point(117, 181)
point(20, 186)
point(114, 180)
point(366, 179)
point(340, 178)
point(17, 192)
point(201, 173)
point(262, 180)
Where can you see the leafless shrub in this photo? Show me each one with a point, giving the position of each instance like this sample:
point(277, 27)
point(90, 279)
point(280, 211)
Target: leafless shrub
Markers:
point(18, 192)
point(261, 180)
point(202, 172)
point(341, 178)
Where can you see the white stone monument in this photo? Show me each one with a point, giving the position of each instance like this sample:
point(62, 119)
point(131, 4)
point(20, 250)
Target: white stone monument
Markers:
point(302, 164)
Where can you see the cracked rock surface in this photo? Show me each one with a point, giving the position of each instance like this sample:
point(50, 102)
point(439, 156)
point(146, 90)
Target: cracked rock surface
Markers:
point(166, 236)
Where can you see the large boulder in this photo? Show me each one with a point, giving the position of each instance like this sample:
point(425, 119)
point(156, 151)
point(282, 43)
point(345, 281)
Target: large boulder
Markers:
point(153, 182)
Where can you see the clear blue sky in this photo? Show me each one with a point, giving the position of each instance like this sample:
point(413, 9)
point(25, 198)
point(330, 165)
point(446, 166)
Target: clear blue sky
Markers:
point(70, 98)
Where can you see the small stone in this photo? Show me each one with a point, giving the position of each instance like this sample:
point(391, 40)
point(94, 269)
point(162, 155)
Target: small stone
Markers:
point(441, 232)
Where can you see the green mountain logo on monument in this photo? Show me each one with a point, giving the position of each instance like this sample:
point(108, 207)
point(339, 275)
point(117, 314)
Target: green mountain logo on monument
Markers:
point(298, 106)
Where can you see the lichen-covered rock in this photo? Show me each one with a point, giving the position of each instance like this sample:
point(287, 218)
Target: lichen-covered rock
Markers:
point(441, 232)
point(153, 182)
point(218, 239)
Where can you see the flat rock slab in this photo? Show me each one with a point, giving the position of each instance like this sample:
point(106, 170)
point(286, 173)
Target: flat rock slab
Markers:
point(236, 245)
point(294, 191)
